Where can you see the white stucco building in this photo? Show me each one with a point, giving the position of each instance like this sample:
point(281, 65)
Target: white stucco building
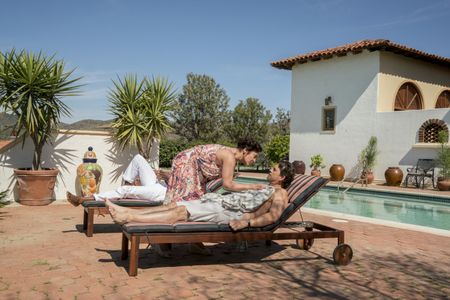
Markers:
point(342, 96)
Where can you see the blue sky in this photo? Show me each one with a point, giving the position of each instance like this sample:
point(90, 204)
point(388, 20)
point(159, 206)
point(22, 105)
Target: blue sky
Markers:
point(233, 41)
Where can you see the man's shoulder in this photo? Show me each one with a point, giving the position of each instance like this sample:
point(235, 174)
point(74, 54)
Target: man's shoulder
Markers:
point(281, 191)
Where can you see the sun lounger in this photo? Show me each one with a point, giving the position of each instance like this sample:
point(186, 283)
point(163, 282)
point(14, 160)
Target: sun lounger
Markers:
point(300, 191)
point(91, 208)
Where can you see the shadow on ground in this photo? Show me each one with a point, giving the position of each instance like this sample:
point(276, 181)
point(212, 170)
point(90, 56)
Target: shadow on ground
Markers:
point(223, 253)
point(282, 271)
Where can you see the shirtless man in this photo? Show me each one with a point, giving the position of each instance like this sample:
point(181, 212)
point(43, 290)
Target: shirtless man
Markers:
point(268, 212)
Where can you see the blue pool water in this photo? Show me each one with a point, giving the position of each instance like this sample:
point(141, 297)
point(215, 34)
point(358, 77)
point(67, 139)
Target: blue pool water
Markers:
point(404, 208)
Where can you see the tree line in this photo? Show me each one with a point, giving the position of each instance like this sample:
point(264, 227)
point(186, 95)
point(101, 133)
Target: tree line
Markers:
point(149, 109)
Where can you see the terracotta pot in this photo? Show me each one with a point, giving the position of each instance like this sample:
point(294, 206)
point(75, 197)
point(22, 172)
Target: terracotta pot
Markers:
point(35, 188)
point(299, 167)
point(368, 176)
point(443, 184)
point(315, 172)
point(337, 172)
point(394, 176)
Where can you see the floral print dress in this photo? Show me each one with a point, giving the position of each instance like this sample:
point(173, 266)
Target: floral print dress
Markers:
point(191, 170)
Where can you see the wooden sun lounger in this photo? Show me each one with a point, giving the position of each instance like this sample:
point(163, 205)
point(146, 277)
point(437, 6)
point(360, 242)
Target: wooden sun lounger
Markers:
point(92, 208)
point(300, 191)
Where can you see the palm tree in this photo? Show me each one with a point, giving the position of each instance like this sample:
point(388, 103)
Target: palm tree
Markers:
point(31, 87)
point(141, 110)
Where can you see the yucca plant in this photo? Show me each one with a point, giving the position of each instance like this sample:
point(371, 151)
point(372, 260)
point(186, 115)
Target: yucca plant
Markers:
point(369, 155)
point(31, 87)
point(443, 157)
point(141, 111)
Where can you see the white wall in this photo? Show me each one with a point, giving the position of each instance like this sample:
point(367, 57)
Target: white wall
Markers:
point(353, 83)
point(66, 154)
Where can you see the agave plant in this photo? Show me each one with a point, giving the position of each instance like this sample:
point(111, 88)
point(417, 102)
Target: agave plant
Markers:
point(31, 87)
point(141, 110)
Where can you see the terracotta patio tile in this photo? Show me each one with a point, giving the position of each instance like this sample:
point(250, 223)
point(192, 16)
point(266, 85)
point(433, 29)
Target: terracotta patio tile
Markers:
point(416, 263)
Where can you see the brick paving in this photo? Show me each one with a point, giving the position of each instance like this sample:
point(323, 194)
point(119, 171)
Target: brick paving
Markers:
point(44, 255)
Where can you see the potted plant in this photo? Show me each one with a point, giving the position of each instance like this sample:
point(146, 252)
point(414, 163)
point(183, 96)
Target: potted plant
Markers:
point(443, 160)
point(31, 88)
point(368, 158)
point(316, 163)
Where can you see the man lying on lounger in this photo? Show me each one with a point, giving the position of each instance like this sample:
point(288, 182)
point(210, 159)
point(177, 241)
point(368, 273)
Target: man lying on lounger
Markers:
point(150, 189)
point(255, 208)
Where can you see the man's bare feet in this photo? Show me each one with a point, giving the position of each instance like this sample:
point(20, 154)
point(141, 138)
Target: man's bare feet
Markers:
point(115, 207)
point(119, 214)
point(119, 217)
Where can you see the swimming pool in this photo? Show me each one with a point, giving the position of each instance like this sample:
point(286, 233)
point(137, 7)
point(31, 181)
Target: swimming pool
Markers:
point(420, 210)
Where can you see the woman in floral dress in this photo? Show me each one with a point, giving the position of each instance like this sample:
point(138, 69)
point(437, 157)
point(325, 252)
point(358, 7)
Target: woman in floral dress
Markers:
point(194, 167)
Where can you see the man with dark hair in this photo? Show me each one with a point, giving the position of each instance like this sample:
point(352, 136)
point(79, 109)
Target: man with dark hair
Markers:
point(232, 208)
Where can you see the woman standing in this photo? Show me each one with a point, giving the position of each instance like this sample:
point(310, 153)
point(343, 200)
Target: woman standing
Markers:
point(194, 167)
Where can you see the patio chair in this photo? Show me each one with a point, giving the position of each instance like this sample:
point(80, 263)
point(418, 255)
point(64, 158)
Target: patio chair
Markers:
point(300, 191)
point(423, 169)
point(90, 208)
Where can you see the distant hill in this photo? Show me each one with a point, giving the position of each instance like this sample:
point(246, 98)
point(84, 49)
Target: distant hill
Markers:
point(88, 124)
point(7, 120)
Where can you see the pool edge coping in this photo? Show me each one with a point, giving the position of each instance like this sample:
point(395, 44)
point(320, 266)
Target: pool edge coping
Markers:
point(436, 231)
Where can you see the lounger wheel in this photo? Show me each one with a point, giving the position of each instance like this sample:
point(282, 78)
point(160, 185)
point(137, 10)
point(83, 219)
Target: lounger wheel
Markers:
point(304, 244)
point(342, 254)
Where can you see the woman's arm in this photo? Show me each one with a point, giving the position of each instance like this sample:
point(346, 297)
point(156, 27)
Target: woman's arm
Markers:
point(228, 162)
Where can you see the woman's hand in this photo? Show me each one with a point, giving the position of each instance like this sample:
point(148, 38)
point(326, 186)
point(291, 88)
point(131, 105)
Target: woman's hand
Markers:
point(259, 186)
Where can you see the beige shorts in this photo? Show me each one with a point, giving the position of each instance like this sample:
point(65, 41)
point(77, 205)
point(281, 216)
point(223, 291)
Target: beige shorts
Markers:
point(209, 211)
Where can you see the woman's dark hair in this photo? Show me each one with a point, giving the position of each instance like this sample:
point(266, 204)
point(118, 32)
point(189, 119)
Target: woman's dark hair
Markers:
point(249, 145)
point(287, 171)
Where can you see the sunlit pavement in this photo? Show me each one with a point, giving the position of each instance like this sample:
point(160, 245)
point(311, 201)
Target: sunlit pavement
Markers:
point(44, 255)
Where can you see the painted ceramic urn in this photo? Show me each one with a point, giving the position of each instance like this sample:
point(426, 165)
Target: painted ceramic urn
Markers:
point(89, 174)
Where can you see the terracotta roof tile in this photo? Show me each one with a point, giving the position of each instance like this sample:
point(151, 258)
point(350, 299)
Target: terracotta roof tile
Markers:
point(357, 47)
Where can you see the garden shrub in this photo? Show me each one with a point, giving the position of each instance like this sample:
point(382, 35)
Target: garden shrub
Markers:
point(277, 149)
point(167, 151)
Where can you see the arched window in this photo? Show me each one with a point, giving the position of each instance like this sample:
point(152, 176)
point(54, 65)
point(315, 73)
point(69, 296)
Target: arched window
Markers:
point(443, 101)
point(408, 98)
point(428, 132)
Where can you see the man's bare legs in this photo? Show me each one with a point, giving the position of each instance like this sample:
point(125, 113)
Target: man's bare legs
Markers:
point(166, 214)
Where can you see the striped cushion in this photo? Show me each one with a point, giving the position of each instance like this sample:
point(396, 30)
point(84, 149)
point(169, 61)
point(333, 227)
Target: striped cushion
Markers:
point(303, 183)
point(214, 185)
point(302, 188)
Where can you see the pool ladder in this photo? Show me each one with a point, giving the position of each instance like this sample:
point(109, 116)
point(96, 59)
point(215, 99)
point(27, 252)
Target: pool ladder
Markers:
point(363, 182)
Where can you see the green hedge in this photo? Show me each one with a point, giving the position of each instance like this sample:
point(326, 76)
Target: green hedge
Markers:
point(277, 149)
